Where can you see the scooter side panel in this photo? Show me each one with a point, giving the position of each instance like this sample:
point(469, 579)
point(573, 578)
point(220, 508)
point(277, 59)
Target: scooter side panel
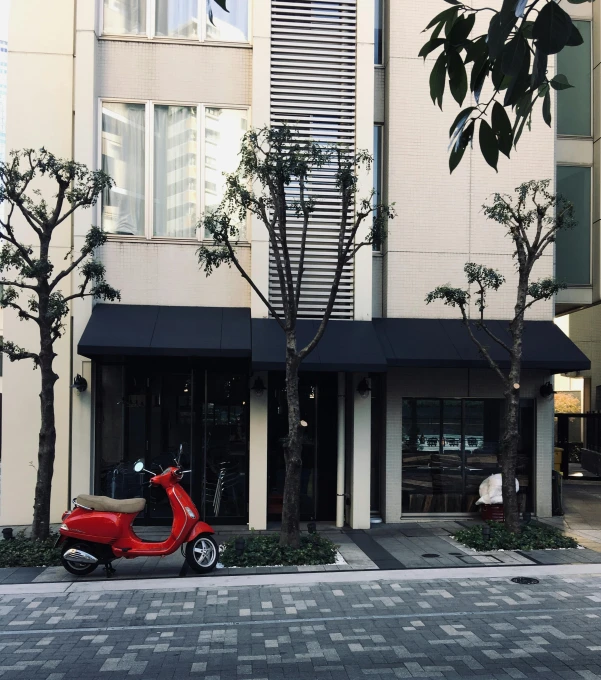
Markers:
point(96, 527)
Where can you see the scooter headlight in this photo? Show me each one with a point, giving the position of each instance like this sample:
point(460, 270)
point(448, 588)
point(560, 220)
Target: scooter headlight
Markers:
point(64, 527)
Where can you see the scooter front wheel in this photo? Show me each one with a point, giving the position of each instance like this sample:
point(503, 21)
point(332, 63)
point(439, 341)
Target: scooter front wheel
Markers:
point(202, 553)
point(77, 568)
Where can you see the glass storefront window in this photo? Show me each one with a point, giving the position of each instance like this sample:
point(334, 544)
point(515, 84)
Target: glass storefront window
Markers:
point(573, 246)
point(574, 104)
point(124, 17)
point(176, 18)
point(148, 410)
point(175, 164)
point(230, 26)
point(450, 446)
point(124, 159)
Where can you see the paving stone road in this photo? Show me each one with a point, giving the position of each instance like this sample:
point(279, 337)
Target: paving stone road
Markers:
point(472, 628)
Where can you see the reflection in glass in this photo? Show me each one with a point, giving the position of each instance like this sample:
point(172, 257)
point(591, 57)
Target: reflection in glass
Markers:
point(226, 435)
point(123, 158)
point(230, 26)
point(574, 104)
point(377, 169)
point(175, 170)
point(124, 17)
point(177, 18)
point(573, 246)
point(224, 129)
point(450, 446)
point(379, 32)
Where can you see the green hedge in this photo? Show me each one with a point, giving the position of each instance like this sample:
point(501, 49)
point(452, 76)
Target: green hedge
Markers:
point(263, 550)
point(532, 537)
point(23, 552)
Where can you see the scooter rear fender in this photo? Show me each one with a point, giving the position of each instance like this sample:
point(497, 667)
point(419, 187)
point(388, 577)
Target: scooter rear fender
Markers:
point(197, 529)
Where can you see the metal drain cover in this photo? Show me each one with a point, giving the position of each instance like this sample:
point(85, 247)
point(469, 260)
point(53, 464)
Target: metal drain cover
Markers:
point(430, 555)
point(525, 580)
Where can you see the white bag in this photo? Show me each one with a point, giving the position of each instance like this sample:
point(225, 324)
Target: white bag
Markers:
point(491, 491)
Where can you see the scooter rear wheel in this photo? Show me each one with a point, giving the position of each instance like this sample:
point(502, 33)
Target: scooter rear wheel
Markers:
point(202, 553)
point(77, 568)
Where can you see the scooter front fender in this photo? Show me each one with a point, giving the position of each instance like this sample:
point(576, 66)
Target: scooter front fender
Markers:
point(197, 529)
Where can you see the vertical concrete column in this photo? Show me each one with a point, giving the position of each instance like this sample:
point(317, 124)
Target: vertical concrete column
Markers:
point(364, 139)
point(257, 476)
point(85, 144)
point(543, 457)
point(361, 457)
point(340, 472)
point(261, 94)
point(393, 456)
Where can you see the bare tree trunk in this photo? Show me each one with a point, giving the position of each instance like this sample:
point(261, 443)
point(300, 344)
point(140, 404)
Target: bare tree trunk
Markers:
point(47, 439)
point(290, 532)
point(509, 456)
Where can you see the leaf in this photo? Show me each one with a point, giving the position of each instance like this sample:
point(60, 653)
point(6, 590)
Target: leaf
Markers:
point(441, 18)
point(461, 145)
point(539, 68)
point(461, 118)
point(519, 84)
point(488, 145)
point(514, 55)
point(461, 29)
point(575, 38)
point(457, 76)
point(478, 76)
point(552, 28)
point(453, 2)
point(520, 122)
point(222, 4)
point(547, 108)
point(430, 46)
point(526, 29)
point(499, 29)
point(560, 82)
point(438, 79)
point(578, 2)
point(501, 126)
point(520, 7)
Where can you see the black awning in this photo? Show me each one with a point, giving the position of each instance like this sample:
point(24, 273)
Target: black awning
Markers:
point(346, 346)
point(145, 330)
point(445, 343)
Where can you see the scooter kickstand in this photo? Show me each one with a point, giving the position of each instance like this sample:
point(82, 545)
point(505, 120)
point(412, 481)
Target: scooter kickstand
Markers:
point(109, 569)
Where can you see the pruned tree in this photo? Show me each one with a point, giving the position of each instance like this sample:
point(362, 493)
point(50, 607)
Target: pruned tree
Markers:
point(272, 183)
point(33, 287)
point(508, 62)
point(532, 221)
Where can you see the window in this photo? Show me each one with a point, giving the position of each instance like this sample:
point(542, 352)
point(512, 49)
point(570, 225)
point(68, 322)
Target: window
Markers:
point(451, 445)
point(379, 32)
point(178, 19)
point(574, 104)
point(124, 159)
point(173, 162)
point(574, 245)
point(378, 164)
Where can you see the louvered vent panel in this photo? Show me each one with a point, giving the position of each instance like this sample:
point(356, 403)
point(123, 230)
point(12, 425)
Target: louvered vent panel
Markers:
point(313, 74)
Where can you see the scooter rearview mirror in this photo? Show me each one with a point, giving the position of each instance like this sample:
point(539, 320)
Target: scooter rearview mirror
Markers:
point(138, 466)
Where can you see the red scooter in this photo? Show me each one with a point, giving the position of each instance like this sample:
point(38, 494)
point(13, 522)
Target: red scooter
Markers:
point(99, 529)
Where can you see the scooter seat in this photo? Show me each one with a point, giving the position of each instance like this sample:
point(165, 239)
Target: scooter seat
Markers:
point(106, 504)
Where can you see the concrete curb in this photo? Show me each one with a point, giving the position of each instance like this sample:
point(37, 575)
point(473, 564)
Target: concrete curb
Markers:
point(315, 578)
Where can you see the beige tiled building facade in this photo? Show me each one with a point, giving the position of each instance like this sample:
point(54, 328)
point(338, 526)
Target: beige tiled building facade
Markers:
point(403, 417)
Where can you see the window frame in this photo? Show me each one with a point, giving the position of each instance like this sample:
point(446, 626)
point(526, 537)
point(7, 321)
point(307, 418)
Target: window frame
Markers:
point(563, 135)
point(590, 235)
point(149, 141)
point(382, 4)
point(380, 170)
point(150, 33)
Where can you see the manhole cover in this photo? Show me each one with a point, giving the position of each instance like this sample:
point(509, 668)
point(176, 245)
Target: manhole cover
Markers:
point(430, 555)
point(525, 580)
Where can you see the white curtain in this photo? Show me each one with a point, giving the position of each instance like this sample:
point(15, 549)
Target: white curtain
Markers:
point(125, 17)
point(177, 18)
point(231, 26)
point(123, 158)
point(175, 170)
